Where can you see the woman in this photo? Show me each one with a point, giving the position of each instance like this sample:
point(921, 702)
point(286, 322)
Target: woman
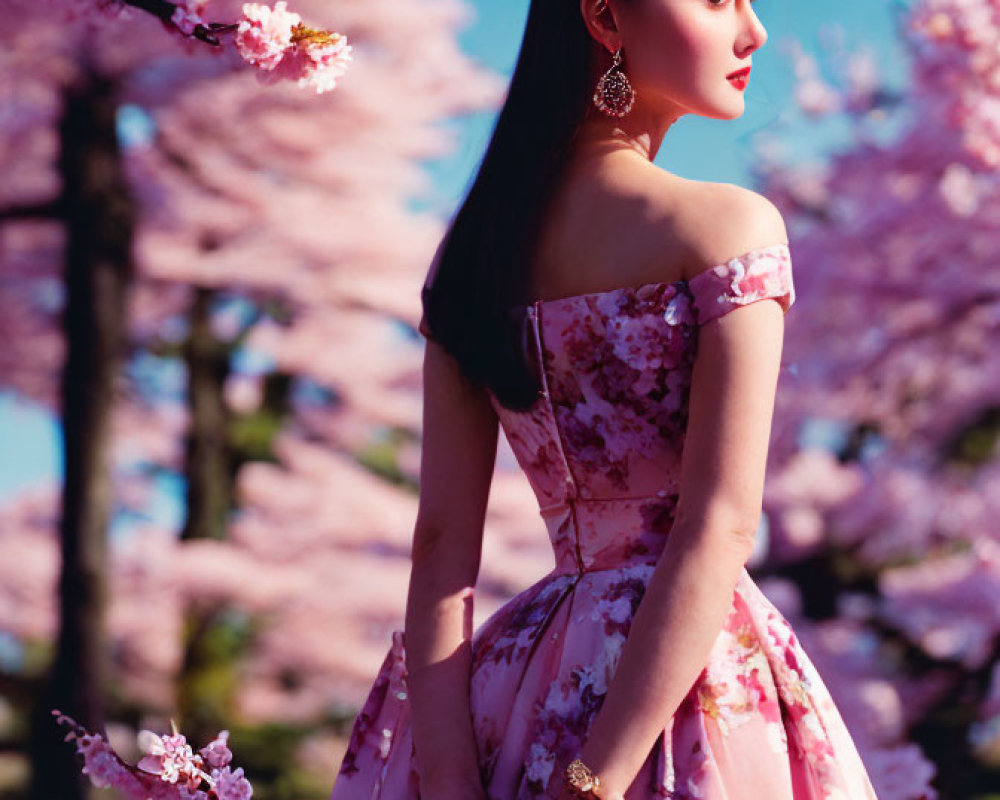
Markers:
point(604, 313)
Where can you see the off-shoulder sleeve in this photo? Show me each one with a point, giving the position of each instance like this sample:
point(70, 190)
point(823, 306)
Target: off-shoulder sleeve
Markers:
point(765, 272)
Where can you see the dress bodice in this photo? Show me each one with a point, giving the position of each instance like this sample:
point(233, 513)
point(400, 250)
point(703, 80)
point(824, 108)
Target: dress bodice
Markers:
point(602, 444)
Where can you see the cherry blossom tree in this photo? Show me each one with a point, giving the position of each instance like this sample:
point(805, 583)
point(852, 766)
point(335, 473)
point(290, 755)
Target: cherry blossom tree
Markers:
point(231, 201)
point(883, 495)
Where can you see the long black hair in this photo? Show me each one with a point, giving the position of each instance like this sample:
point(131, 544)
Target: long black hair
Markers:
point(472, 300)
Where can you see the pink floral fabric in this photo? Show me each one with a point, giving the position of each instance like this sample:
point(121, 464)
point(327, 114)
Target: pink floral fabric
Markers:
point(601, 448)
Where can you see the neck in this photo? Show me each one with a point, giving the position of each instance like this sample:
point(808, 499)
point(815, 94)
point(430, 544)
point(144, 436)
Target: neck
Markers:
point(640, 130)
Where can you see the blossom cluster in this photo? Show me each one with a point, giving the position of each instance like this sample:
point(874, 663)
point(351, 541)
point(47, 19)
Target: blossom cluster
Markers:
point(187, 15)
point(169, 770)
point(276, 41)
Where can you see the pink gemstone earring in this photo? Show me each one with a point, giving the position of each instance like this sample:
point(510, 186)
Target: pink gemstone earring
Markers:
point(614, 94)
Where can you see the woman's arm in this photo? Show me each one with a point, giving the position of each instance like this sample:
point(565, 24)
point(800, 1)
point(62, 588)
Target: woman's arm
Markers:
point(457, 460)
point(690, 592)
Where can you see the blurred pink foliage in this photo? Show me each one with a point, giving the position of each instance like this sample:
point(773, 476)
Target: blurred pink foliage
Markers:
point(282, 200)
point(895, 241)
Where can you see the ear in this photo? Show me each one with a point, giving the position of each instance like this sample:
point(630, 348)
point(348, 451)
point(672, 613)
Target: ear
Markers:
point(600, 21)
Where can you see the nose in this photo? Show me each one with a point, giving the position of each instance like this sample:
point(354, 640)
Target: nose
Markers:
point(754, 34)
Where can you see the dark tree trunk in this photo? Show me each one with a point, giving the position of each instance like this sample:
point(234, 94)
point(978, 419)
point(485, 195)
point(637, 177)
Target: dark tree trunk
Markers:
point(205, 683)
point(99, 219)
point(209, 490)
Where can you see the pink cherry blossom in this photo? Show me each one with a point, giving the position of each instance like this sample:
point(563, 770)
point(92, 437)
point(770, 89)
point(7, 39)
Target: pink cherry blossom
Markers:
point(231, 785)
point(217, 753)
point(170, 770)
point(100, 763)
point(172, 758)
point(264, 34)
point(106, 770)
point(318, 59)
point(187, 15)
point(283, 48)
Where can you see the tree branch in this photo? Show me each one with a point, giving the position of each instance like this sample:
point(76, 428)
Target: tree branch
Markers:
point(164, 11)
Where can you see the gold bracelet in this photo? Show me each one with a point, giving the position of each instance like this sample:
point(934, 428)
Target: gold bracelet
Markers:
point(582, 779)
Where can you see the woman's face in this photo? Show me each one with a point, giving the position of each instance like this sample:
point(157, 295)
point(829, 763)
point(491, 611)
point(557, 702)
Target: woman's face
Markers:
point(677, 53)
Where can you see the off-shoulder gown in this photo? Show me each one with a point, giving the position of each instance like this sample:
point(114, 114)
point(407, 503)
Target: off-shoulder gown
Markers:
point(601, 448)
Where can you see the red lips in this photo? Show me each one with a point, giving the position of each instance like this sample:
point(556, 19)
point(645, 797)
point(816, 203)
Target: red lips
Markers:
point(740, 73)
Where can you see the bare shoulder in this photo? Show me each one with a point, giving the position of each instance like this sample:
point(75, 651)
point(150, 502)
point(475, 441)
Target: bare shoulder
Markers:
point(719, 221)
point(631, 223)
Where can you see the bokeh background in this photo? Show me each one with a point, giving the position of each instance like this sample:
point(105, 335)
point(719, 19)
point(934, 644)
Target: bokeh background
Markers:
point(210, 376)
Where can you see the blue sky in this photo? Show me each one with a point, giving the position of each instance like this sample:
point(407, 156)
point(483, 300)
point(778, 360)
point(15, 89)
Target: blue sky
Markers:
point(697, 148)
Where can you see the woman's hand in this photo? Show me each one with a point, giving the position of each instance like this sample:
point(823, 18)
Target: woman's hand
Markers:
point(602, 792)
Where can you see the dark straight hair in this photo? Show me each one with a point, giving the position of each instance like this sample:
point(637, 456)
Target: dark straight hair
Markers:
point(473, 300)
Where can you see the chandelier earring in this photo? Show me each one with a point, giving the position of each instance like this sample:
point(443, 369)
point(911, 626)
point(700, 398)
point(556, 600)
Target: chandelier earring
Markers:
point(614, 94)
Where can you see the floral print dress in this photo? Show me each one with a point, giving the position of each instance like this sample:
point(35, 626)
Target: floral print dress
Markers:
point(601, 448)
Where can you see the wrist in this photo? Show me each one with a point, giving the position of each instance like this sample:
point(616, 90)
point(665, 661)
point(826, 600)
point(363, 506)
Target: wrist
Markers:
point(599, 762)
point(587, 784)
